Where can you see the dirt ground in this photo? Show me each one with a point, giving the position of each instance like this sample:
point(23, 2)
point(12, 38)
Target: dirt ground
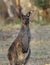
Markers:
point(40, 45)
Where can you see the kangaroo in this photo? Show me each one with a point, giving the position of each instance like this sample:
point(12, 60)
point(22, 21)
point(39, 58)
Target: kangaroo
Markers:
point(19, 51)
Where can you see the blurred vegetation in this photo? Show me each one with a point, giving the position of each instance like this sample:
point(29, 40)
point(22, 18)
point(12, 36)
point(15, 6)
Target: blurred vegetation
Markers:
point(0, 7)
point(11, 26)
point(42, 3)
point(18, 21)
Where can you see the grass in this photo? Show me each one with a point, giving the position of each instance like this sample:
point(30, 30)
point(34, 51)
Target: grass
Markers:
point(40, 49)
point(41, 20)
point(17, 23)
point(10, 26)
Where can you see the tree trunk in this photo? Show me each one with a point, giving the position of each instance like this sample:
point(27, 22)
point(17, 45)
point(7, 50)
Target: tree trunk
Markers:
point(18, 2)
point(8, 4)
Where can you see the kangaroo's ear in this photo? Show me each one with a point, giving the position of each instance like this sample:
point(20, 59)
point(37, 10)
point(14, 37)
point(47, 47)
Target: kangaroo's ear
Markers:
point(28, 14)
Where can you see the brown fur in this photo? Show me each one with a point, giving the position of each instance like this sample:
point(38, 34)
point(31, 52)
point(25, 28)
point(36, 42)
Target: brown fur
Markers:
point(19, 51)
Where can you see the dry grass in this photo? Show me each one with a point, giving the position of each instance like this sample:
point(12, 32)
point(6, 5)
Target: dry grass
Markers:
point(9, 27)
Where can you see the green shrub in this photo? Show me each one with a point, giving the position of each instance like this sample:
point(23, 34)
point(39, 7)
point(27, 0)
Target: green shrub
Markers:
point(42, 3)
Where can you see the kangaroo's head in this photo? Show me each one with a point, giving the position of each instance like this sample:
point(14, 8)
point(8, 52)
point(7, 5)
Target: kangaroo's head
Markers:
point(26, 18)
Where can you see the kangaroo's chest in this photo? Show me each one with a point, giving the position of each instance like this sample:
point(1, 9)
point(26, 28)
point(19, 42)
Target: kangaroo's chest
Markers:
point(26, 36)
